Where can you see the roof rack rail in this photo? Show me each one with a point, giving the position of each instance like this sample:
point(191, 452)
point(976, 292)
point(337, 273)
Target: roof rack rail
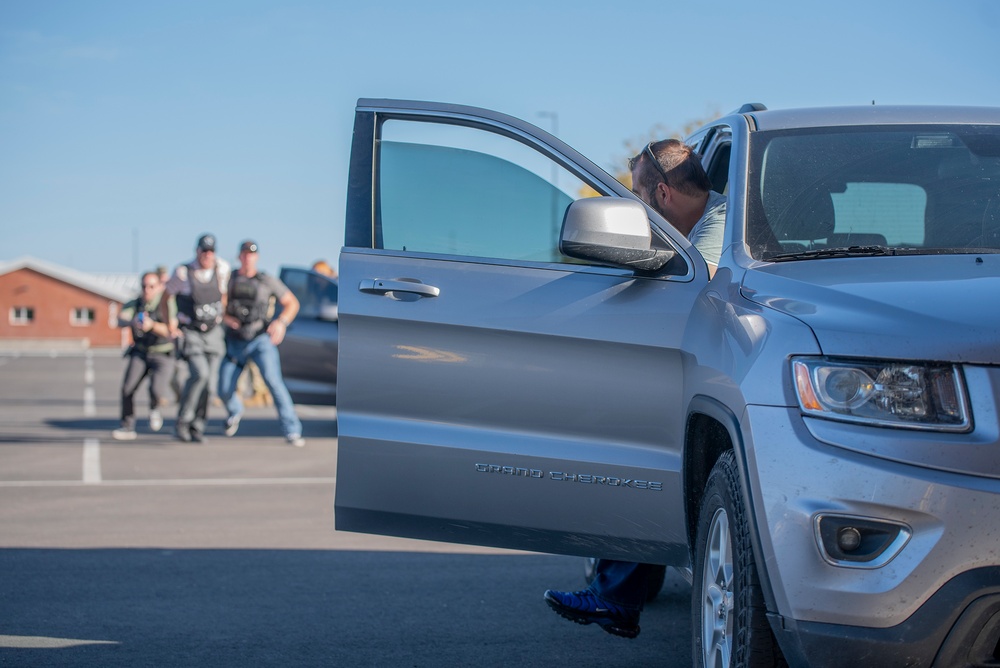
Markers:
point(750, 106)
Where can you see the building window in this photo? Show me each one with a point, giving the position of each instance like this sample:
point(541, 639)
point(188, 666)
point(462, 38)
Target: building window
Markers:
point(81, 317)
point(21, 315)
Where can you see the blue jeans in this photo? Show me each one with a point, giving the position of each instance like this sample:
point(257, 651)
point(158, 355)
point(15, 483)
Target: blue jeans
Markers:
point(265, 356)
point(621, 582)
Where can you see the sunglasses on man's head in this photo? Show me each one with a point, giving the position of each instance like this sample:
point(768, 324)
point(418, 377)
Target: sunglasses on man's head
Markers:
point(656, 163)
point(648, 151)
point(150, 286)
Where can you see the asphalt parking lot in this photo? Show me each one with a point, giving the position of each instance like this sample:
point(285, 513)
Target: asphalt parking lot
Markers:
point(160, 553)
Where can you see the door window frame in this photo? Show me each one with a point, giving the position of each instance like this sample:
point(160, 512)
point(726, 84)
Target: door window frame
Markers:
point(363, 228)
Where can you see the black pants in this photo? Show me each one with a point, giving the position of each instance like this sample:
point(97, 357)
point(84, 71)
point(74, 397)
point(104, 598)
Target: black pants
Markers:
point(159, 367)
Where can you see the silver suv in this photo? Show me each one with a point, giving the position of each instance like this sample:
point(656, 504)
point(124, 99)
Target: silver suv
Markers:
point(814, 430)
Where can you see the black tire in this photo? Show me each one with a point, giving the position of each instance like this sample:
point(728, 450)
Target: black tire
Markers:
point(657, 575)
point(727, 606)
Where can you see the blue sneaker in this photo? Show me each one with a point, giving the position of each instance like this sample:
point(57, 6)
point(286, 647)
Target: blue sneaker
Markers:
point(586, 607)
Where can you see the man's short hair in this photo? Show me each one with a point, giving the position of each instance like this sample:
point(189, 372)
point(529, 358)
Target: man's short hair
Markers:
point(677, 162)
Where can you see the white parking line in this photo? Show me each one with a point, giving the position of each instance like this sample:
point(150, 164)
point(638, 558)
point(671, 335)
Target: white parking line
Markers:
point(89, 397)
point(89, 402)
point(91, 446)
point(88, 369)
point(43, 642)
point(91, 461)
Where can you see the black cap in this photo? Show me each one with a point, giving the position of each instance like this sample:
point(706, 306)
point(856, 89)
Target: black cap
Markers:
point(206, 242)
point(248, 246)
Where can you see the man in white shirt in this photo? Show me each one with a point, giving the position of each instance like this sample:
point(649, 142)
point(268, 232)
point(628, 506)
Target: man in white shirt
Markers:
point(667, 176)
point(198, 289)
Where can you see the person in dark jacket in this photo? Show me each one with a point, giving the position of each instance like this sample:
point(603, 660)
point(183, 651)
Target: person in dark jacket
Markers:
point(151, 354)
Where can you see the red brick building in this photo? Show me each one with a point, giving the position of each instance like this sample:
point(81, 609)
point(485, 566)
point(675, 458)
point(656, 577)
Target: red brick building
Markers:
point(44, 302)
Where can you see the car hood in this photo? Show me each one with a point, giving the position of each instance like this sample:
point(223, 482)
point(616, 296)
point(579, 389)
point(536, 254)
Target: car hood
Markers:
point(940, 307)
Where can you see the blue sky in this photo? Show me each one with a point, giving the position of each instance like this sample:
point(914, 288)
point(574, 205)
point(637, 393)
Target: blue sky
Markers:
point(129, 128)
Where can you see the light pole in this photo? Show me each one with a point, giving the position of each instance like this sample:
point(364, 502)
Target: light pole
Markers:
point(554, 115)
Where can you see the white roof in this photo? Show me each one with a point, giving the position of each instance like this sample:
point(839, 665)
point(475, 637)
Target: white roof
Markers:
point(118, 287)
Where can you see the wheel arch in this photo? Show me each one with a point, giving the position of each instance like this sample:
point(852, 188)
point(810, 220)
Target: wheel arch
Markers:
point(712, 429)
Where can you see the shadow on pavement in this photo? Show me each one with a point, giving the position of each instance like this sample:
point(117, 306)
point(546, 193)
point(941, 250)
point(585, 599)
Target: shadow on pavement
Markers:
point(261, 422)
point(159, 607)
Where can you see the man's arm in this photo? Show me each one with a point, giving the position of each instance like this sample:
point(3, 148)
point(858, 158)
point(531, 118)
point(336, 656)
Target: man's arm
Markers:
point(129, 317)
point(225, 274)
point(128, 313)
point(167, 313)
point(289, 309)
point(708, 233)
point(167, 309)
point(709, 244)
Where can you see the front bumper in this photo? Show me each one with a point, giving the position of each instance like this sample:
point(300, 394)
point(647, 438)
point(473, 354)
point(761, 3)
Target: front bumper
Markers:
point(949, 560)
point(958, 626)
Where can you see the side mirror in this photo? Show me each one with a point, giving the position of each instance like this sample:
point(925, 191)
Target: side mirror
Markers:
point(611, 231)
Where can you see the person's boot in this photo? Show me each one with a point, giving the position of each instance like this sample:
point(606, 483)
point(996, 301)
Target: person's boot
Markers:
point(182, 431)
point(586, 607)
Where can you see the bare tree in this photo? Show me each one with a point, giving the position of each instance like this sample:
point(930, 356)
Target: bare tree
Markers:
point(635, 144)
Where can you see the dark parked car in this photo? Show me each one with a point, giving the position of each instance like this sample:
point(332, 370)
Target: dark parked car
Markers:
point(309, 351)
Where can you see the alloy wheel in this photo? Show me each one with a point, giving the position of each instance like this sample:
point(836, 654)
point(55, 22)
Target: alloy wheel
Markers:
point(717, 590)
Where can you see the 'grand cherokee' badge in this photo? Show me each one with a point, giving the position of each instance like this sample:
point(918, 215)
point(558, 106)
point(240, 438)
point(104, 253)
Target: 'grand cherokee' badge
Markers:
point(585, 478)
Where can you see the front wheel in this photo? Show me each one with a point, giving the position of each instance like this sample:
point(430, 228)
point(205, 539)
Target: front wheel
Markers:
point(728, 611)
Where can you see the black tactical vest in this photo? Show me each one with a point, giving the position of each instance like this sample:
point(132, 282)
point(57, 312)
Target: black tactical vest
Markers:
point(248, 302)
point(204, 305)
point(146, 340)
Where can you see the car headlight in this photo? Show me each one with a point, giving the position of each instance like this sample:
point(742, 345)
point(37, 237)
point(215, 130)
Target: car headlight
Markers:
point(913, 395)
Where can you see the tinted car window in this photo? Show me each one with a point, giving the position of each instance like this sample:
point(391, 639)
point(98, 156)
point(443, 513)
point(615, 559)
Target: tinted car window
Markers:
point(313, 290)
point(448, 189)
point(921, 189)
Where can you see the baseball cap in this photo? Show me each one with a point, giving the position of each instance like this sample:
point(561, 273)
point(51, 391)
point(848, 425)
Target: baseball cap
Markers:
point(248, 246)
point(206, 242)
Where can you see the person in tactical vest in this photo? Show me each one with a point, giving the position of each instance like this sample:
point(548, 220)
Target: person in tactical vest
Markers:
point(198, 291)
point(151, 354)
point(252, 334)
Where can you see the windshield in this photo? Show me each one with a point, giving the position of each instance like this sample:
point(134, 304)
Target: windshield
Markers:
point(875, 190)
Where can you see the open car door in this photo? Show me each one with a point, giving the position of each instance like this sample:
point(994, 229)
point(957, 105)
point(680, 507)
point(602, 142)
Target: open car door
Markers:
point(492, 390)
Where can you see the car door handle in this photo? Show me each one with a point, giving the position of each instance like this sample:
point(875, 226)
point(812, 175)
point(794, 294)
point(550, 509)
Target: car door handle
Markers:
point(381, 286)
